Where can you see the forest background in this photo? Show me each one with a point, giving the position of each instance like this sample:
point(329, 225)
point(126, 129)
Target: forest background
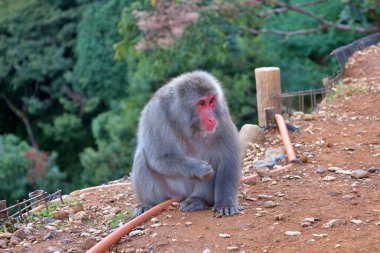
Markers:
point(75, 74)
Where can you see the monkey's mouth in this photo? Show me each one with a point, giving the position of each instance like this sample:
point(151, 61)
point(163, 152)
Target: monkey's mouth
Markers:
point(206, 133)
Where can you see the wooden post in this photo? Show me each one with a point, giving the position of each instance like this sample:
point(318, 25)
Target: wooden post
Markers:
point(3, 212)
point(268, 90)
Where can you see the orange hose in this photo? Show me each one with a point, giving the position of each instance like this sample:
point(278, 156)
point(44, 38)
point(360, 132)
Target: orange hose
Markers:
point(115, 236)
point(285, 138)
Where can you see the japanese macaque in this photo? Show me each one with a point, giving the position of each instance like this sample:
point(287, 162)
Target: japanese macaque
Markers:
point(187, 148)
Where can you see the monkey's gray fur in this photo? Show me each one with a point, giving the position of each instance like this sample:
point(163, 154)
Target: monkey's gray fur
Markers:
point(175, 159)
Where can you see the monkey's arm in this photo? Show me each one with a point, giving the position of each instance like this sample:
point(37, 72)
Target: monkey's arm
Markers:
point(227, 178)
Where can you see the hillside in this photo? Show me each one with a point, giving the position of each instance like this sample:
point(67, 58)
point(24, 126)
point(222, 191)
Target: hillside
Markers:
point(332, 208)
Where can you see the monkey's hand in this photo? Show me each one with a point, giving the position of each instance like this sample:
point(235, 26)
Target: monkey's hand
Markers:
point(225, 210)
point(204, 171)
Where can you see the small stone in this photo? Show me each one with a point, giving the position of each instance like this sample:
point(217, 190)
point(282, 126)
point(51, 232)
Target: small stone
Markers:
point(306, 224)
point(270, 204)
point(333, 169)
point(320, 235)
point(333, 223)
point(27, 245)
point(280, 217)
point(153, 235)
point(329, 178)
point(206, 251)
point(293, 233)
point(60, 215)
point(50, 235)
point(264, 196)
point(156, 225)
point(358, 174)
point(357, 222)
point(3, 243)
point(53, 250)
point(233, 248)
point(15, 240)
point(188, 223)
point(81, 215)
point(344, 172)
point(321, 170)
point(224, 235)
point(373, 169)
point(85, 234)
point(88, 243)
point(347, 197)
point(303, 159)
point(47, 220)
point(154, 220)
point(135, 233)
point(20, 233)
point(311, 219)
point(77, 208)
point(65, 241)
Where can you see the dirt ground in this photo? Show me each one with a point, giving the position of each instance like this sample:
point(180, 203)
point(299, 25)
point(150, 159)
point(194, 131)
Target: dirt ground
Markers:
point(303, 201)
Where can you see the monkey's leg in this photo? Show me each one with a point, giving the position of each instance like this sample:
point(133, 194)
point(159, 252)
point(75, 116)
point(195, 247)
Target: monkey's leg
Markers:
point(201, 198)
point(149, 188)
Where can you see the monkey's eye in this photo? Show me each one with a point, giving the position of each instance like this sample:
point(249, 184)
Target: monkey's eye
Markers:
point(212, 101)
point(202, 103)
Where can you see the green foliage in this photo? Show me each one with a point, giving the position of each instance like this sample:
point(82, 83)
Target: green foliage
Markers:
point(96, 73)
point(120, 218)
point(13, 167)
point(14, 170)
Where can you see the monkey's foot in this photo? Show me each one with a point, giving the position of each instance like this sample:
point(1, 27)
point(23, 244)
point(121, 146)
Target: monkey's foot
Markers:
point(193, 204)
point(139, 210)
point(225, 211)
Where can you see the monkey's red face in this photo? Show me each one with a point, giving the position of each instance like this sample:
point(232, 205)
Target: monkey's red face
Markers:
point(205, 108)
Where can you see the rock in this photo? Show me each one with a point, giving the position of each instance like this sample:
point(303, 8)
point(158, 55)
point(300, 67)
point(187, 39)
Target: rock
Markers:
point(65, 240)
point(15, 240)
point(3, 243)
point(53, 250)
point(347, 197)
point(249, 133)
point(319, 235)
point(329, 178)
point(303, 159)
point(154, 220)
point(135, 233)
point(21, 233)
point(233, 248)
point(280, 217)
point(333, 169)
point(344, 172)
point(60, 215)
point(188, 223)
point(269, 204)
point(333, 223)
point(264, 196)
point(77, 208)
point(373, 169)
point(306, 224)
point(293, 233)
point(308, 117)
point(88, 243)
point(50, 235)
point(5, 235)
point(224, 235)
point(48, 220)
point(156, 225)
point(321, 170)
point(312, 219)
point(81, 216)
point(27, 245)
point(358, 174)
point(206, 251)
point(357, 222)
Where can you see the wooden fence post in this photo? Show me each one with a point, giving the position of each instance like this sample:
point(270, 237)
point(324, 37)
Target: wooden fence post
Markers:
point(268, 90)
point(3, 206)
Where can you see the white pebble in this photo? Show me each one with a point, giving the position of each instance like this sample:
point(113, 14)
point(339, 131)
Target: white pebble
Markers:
point(224, 235)
point(293, 233)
